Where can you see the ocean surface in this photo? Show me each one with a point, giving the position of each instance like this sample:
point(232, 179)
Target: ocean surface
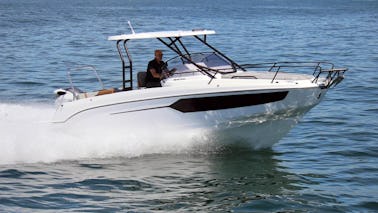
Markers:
point(327, 163)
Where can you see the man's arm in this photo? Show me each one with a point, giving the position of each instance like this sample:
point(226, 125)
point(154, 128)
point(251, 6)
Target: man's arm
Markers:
point(154, 73)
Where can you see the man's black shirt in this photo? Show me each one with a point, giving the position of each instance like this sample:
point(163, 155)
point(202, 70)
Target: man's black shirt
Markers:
point(157, 66)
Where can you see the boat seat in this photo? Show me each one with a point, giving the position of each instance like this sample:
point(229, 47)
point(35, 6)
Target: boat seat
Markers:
point(106, 91)
point(83, 95)
point(141, 79)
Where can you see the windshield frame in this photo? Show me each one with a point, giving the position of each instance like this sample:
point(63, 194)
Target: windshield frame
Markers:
point(212, 62)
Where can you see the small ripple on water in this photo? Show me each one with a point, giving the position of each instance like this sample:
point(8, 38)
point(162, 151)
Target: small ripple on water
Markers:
point(14, 173)
point(28, 83)
point(92, 166)
point(373, 206)
point(107, 184)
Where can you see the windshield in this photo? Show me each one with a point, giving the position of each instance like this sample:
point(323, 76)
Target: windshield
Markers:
point(208, 60)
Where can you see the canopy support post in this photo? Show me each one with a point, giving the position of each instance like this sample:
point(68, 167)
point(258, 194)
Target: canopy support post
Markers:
point(124, 66)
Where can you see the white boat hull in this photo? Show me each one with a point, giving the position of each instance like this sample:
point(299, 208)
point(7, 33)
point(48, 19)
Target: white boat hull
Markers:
point(254, 124)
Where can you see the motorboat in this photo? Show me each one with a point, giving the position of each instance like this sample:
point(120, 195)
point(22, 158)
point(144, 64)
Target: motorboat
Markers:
point(245, 104)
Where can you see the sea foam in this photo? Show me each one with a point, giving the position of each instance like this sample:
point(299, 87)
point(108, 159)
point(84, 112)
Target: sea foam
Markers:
point(28, 136)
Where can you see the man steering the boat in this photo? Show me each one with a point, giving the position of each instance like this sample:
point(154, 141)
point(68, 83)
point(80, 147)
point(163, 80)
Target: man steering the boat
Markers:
point(156, 70)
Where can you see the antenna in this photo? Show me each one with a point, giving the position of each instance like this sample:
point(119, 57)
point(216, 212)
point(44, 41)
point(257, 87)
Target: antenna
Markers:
point(131, 27)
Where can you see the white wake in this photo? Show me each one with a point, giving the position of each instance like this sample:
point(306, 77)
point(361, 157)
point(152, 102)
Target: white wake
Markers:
point(26, 136)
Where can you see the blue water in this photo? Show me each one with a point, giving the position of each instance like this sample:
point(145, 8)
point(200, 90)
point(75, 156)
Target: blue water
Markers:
point(327, 163)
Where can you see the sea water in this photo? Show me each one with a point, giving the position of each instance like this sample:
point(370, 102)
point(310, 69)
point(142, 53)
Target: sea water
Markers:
point(327, 163)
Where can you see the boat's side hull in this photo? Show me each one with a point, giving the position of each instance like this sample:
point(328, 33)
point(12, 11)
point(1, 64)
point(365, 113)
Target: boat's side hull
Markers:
point(256, 117)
